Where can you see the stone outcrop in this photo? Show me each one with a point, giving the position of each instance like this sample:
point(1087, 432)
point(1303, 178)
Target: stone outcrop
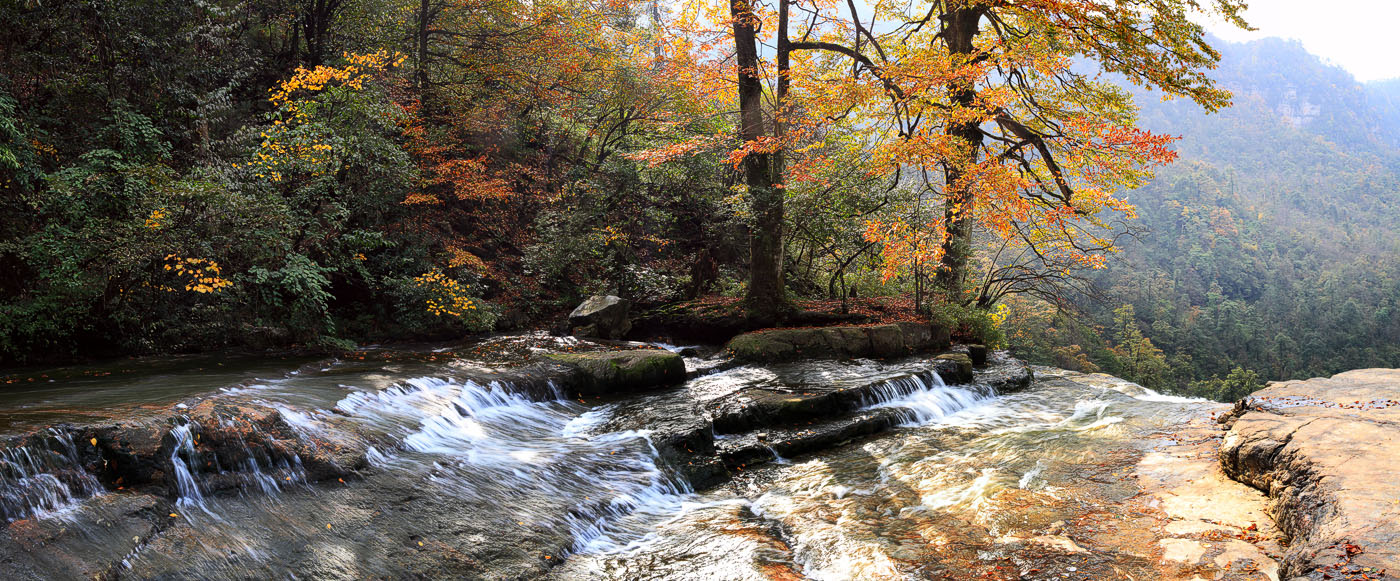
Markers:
point(892, 340)
point(603, 316)
point(619, 371)
point(1327, 452)
point(978, 353)
point(954, 367)
point(1003, 373)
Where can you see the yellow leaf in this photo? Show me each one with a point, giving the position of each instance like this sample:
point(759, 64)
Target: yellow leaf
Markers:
point(94, 441)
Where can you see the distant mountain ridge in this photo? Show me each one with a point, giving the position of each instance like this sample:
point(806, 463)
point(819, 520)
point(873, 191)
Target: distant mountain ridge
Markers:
point(1271, 244)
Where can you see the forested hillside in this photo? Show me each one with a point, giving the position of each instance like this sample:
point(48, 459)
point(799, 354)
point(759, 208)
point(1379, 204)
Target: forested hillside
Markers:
point(321, 173)
point(1269, 249)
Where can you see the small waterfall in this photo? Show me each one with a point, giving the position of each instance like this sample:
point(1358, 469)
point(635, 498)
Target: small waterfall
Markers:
point(491, 441)
point(631, 485)
point(255, 468)
point(185, 466)
point(924, 397)
point(39, 479)
point(777, 458)
point(267, 481)
point(901, 387)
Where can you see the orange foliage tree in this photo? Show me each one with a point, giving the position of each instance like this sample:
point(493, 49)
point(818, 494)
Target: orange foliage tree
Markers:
point(508, 109)
point(998, 117)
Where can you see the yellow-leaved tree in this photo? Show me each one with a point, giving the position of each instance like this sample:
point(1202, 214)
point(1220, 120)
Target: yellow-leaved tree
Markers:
point(1002, 117)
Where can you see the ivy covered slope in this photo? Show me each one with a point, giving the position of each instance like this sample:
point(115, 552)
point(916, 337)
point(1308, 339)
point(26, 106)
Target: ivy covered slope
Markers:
point(1267, 252)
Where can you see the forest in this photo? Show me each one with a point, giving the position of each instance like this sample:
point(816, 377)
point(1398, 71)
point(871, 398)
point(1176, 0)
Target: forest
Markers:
point(622, 290)
point(325, 173)
point(1265, 252)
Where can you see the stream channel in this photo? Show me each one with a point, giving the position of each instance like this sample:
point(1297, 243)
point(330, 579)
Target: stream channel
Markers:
point(437, 462)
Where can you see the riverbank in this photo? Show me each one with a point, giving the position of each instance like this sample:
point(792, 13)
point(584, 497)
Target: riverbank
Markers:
point(1327, 452)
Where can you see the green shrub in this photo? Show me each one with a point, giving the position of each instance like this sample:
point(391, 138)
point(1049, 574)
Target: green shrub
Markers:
point(968, 324)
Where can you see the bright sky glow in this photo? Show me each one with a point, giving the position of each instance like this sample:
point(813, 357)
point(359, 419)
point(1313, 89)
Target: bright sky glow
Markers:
point(1360, 36)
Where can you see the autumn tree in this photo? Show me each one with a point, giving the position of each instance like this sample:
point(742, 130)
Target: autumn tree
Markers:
point(1002, 116)
point(762, 163)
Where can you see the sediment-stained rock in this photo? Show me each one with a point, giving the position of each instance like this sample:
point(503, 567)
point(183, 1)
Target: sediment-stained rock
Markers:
point(231, 443)
point(1327, 452)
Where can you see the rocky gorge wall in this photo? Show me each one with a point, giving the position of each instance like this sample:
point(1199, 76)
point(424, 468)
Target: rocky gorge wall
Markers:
point(1327, 453)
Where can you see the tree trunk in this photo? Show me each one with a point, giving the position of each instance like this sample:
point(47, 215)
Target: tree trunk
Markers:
point(420, 72)
point(316, 25)
point(960, 24)
point(765, 299)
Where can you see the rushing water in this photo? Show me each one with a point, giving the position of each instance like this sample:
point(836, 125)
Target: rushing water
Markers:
point(39, 479)
point(458, 459)
point(955, 495)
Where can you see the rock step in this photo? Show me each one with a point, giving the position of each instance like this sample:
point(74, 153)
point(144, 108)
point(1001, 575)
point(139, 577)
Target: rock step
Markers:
point(756, 408)
point(1327, 453)
point(604, 372)
point(738, 452)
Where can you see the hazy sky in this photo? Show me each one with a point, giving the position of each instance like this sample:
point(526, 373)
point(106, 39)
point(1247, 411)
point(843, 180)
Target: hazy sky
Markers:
point(1361, 36)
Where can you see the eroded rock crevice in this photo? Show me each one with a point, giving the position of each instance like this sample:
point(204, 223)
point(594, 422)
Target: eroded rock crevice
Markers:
point(1327, 453)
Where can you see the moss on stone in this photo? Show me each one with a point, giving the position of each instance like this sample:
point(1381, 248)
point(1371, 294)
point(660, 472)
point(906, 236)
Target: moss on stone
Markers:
point(620, 371)
point(955, 368)
point(893, 340)
point(761, 347)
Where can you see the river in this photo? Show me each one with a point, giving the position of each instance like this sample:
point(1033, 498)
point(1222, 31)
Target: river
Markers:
point(464, 475)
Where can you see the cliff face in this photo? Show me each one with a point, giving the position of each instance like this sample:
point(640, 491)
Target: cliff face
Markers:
point(1327, 453)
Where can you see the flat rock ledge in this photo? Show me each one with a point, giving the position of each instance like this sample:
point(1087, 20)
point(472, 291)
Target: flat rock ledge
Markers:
point(892, 340)
point(1327, 453)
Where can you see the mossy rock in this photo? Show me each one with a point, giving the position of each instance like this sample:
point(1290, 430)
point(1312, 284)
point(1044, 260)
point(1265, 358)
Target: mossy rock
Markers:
point(954, 368)
point(768, 346)
point(892, 340)
point(622, 371)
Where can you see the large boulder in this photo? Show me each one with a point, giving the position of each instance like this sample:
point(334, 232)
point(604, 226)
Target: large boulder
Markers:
point(1327, 452)
point(603, 316)
point(955, 368)
point(1004, 374)
point(621, 371)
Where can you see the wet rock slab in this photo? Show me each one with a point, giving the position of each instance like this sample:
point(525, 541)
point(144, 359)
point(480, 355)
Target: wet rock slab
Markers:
point(779, 443)
point(88, 542)
point(1004, 373)
point(620, 371)
point(1327, 452)
point(791, 403)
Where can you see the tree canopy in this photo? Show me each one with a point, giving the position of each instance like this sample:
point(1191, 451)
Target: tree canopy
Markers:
point(319, 171)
